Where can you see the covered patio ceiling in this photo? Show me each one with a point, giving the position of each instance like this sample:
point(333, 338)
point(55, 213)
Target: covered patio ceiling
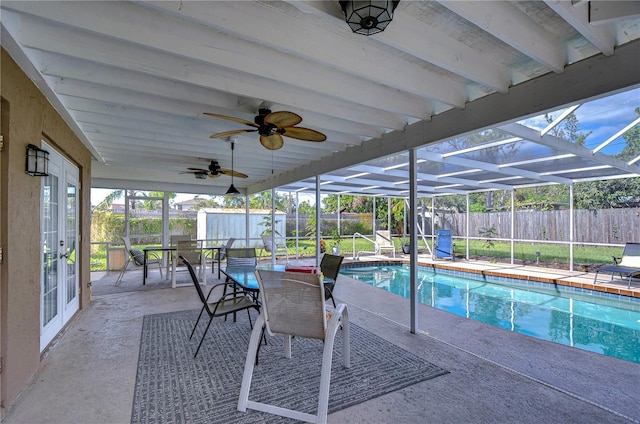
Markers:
point(133, 79)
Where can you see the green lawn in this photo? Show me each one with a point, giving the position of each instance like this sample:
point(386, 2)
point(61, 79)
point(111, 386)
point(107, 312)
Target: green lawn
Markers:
point(550, 254)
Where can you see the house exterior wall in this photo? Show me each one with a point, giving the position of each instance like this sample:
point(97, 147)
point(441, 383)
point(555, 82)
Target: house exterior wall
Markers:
point(28, 118)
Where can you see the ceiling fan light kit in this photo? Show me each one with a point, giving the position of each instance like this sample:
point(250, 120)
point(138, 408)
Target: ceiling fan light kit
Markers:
point(368, 17)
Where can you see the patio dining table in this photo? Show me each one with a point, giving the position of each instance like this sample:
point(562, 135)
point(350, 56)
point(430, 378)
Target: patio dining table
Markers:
point(245, 276)
point(146, 251)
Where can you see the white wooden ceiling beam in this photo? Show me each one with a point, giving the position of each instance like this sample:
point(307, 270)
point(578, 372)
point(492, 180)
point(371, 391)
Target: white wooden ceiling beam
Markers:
point(66, 67)
point(149, 101)
point(195, 56)
point(602, 37)
point(601, 12)
point(256, 21)
point(420, 40)
point(433, 46)
point(505, 22)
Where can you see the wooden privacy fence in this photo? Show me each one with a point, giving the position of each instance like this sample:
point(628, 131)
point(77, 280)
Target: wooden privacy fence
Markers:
point(615, 226)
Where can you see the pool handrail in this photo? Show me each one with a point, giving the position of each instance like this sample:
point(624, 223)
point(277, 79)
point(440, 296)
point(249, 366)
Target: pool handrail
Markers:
point(356, 255)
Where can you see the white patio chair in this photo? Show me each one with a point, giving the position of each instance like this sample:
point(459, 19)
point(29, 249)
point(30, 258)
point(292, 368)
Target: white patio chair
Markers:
point(384, 242)
point(293, 305)
point(268, 246)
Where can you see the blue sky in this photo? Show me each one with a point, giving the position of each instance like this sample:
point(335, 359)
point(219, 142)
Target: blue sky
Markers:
point(603, 117)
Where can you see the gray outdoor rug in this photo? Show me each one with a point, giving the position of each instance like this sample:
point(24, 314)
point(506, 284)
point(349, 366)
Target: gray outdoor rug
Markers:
point(173, 387)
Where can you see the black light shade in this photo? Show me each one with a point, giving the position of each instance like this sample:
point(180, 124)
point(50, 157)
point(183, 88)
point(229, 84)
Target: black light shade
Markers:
point(37, 163)
point(368, 17)
point(233, 191)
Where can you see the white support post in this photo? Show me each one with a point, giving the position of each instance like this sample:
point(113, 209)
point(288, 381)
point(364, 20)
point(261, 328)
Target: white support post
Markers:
point(513, 221)
point(246, 221)
point(413, 244)
point(374, 218)
point(339, 230)
point(571, 225)
point(318, 235)
point(389, 216)
point(165, 220)
point(273, 226)
point(467, 225)
point(297, 226)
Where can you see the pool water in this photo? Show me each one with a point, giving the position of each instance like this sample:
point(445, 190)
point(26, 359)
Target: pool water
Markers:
point(583, 320)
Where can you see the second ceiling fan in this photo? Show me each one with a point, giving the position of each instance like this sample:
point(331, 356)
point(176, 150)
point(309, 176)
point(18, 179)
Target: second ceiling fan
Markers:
point(214, 171)
point(271, 126)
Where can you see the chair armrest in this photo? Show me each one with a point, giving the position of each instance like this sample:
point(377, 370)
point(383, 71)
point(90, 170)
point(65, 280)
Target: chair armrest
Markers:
point(236, 288)
point(616, 260)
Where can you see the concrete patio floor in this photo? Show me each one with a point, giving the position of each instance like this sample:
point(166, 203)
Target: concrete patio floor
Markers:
point(495, 376)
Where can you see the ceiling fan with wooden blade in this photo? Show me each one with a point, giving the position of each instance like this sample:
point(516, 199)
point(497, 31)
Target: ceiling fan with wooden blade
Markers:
point(271, 126)
point(214, 171)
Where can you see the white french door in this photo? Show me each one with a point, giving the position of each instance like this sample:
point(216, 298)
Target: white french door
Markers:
point(59, 298)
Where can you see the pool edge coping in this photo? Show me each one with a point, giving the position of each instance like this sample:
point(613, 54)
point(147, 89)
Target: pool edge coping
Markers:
point(633, 295)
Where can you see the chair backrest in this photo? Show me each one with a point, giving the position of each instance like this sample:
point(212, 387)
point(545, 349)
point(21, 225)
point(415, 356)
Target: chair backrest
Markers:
point(194, 278)
point(241, 256)
point(190, 249)
point(268, 242)
point(631, 255)
point(174, 239)
point(443, 244)
point(127, 243)
point(223, 251)
point(330, 266)
point(293, 303)
point(136, 254)
point(229, 243)
point(383, 238)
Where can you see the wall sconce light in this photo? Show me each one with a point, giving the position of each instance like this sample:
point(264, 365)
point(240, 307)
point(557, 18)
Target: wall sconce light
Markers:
point(368, 17)
point(37, 164)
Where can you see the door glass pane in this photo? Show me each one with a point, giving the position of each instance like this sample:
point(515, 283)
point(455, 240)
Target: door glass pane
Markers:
point(50, 249)
point(70, 242)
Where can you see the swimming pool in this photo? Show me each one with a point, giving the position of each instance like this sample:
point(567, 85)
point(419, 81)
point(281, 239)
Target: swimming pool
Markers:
point(585, 320)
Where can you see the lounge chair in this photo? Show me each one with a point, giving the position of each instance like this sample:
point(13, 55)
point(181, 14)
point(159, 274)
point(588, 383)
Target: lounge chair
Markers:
point(384, 242)
point(443, 248)
point(628, 266)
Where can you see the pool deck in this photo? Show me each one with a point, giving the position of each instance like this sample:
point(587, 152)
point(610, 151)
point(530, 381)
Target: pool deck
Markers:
point(495, 375)
point(578, 279)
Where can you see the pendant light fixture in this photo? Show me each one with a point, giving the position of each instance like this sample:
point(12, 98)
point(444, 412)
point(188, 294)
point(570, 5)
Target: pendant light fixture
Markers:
point(368, 17)
point(233, 191)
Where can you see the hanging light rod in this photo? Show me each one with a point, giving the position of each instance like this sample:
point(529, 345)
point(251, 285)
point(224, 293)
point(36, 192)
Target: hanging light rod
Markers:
point(368, 17)
point(232, 191)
